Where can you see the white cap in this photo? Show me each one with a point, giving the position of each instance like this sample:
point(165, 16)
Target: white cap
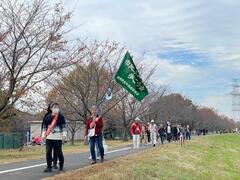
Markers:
point(152, 121)
point(137, 119)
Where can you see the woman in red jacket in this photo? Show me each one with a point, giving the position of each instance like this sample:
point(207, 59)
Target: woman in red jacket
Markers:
point(136, 132)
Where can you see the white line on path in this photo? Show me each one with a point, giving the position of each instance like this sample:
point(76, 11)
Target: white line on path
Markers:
point(43, 164)
point(118, 150)
point(22, 168)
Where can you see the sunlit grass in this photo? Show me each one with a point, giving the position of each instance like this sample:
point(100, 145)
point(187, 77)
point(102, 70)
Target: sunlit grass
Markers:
point(210, 157)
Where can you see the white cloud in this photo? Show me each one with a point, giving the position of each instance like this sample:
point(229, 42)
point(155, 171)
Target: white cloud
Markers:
point(210, 28)
point(222, 103)
point(178, 75)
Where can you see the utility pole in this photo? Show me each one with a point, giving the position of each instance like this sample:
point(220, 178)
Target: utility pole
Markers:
point(236, 100)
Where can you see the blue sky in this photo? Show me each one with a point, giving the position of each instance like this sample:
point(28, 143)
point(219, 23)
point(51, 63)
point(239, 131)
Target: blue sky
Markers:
point(195, 43)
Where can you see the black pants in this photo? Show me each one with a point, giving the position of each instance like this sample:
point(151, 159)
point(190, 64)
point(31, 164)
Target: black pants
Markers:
point(55, 157)
point(148, 136)
point(169, 137)
point(161, 137)
point(175, 137)
point(57, 146)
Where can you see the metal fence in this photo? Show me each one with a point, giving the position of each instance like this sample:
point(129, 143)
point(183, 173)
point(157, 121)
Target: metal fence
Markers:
point(9, 141)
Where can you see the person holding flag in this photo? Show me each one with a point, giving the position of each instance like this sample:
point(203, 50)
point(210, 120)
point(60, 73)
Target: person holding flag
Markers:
point(54, 132)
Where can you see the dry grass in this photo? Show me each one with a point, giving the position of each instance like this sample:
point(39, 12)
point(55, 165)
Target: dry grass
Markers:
point(211, 157)
point(38, 152)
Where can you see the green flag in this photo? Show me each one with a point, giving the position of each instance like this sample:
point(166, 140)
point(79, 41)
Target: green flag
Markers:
point(128, 77)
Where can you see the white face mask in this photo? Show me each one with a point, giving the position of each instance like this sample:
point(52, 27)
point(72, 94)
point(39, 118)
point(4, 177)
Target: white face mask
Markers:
point(55, 110)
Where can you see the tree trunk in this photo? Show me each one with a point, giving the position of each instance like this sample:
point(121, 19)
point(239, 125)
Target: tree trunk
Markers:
point(72, 137)
point(22, 135)
point(125, 134)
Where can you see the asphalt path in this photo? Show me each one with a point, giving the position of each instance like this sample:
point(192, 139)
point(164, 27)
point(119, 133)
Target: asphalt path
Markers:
point(33, 169)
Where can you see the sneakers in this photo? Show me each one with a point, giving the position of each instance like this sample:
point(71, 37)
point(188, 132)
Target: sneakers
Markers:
point(47, 170)
point(98, 158)
point(102, 159)
point(60, 169)
point(55, 166)
point(93, 162)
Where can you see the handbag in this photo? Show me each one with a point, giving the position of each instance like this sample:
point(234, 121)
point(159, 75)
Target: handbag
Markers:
point(91, 132)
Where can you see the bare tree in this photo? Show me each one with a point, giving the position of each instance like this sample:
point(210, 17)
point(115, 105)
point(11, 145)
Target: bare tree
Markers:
point(87, 82)
point(179, 109)
point(32, 46)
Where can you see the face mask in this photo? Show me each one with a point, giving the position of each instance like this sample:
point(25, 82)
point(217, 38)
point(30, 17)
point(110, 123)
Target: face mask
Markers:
point(55, 110)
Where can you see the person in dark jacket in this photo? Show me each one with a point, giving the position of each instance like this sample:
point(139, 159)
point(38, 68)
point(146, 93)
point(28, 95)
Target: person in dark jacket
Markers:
point(148, 133)
point(55, 157)
point(161, 132)
point(54, 131)
point(188, 133)
point(175, 132)
point(94, 131)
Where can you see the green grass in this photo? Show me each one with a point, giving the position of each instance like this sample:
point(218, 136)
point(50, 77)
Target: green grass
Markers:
point(208, 158)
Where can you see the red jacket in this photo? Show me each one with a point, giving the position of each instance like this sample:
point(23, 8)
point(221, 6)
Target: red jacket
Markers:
point(99, 125)
point(136, 128)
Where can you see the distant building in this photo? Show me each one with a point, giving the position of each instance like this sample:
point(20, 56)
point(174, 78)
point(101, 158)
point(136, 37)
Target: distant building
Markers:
point(33, 123)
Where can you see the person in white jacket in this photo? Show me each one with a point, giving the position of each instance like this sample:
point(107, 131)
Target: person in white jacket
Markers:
point(153, 131)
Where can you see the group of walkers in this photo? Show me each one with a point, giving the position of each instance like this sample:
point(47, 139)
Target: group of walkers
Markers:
point(151, 133)
point(54, 134)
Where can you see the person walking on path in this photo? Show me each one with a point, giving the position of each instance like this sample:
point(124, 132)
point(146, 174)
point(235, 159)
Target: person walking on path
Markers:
point(54, 131)
point(188, 133)
point(169, 131)
point(94, 131)
point(148, 133)
point(55, 157)
point(182, 135)
point(174, 132)
point(161, 132)
point(153, 130)
point(144, 134)
point(136, 131)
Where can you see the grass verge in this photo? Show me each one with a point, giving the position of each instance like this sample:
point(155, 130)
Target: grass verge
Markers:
point(211, 157)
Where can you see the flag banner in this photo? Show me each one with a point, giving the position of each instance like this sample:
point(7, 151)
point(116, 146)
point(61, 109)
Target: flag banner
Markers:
point(128, 77)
